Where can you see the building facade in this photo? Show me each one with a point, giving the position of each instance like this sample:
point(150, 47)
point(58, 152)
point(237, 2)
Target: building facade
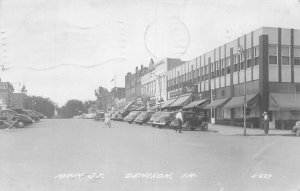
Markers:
point(269, 60)
point(133, 85)
point(6, 95)
point(154, 80)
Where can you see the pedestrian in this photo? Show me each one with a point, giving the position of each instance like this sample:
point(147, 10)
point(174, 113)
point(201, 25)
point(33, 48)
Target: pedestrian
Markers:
point(107, 120)
point(266, 122)
point(179, 118)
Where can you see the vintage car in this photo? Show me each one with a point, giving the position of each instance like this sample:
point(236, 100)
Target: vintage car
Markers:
point(153, 117)
point(296, 129)
point(143, 117)
point(131, 116)
point(18, 120)
point(33, 115)
point(191, 121)
point(164, 119)
point(99, 115)
point(26, 112)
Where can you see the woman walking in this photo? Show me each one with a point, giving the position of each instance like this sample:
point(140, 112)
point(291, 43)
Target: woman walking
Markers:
point(107, 120)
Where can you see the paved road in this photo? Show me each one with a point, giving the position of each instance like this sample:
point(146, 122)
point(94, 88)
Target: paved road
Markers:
point(79, 154)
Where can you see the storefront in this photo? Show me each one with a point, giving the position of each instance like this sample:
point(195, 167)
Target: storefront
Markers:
point(215, 108)
point(168, 103)
point(197, 106)
point(232, 112)
point(284, 110)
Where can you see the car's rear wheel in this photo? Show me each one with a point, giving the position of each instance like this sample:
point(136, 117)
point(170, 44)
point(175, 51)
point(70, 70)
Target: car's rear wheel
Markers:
point(153, 125)
point(298, 132)
point(20, 124)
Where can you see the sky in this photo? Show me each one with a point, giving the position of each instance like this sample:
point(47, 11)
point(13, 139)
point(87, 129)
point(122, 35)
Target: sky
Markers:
point(65, 49)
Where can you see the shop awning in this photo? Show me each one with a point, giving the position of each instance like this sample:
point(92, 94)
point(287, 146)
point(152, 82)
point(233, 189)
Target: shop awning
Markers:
point(128, 105)
point(154, 107)
point(167, 103)
point(239, 101)
point(216, 103)
point(198, 104)
point(181, 101)
point(280, 101)
point(142, 108)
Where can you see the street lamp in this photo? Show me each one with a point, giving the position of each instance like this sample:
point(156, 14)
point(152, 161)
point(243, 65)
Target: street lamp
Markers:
point(242, 51)
point(159, 80)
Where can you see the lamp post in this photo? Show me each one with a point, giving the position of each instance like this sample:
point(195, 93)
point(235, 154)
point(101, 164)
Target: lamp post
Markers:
point(242, 52)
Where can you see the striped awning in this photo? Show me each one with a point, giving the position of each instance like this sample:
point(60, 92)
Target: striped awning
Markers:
point(181, 101)
point(168, 103)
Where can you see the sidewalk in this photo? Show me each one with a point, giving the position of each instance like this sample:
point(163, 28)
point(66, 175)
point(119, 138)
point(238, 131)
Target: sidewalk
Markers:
point(232, 130)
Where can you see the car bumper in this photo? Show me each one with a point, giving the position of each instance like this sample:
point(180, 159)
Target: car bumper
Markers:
point(159, 123)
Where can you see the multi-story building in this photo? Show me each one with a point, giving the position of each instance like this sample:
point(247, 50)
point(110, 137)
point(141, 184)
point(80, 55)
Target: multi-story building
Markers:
point(114, 95)
point(269, 60)
point(154, 81)
point(133, 85)
point(6, 94)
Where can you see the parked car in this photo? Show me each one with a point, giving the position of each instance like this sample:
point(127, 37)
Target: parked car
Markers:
point(143, 117)
point(153, 117)
point(33, 115)
point(131, 116)
point(40, 115)
point(117, 116)
point(164, 119)
point(99, 115)
point(296, 129)
point(90, 116)
point(191, 121)
point(26, 112)
point(19, 119)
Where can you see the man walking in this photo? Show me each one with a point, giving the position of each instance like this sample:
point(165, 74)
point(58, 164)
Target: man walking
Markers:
point(180, 120)
point(266, 123)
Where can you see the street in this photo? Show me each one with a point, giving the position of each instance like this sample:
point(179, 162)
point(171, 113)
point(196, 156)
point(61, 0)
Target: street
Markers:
point(79, 154)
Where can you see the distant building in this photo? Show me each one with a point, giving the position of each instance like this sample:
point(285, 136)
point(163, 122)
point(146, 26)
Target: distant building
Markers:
point(133, 84)
point(6, 94)
point(18, 100)
point(117, 93)
point(154, 80)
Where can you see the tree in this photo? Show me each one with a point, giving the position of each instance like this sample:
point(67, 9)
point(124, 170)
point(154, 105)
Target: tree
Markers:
point(72, 108)
point(101, 95)
point(40, 104)
point(87, 104)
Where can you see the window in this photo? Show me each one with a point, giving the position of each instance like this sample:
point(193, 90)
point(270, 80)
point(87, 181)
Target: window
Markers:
point(228, 70)
point(255, 61)
point(236, 68)
point(272, 50)
point(248, 63)
point(297, 61)
point(285, 60)
point(242, 65)
point(256, 52)
point(272, 59)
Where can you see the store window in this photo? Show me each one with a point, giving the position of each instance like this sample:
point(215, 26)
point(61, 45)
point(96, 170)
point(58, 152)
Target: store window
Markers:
point(285, 60)
point(272, 59)
point(297, 61)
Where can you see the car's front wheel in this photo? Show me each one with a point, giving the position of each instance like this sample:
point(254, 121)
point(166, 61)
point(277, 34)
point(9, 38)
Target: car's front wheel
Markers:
point(298, 132)
point(20, 124)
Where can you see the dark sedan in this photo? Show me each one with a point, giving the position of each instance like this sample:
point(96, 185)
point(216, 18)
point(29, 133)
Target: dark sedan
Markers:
point(143, 117)
point(131, 116)
point(164, 119)
point(19, 120)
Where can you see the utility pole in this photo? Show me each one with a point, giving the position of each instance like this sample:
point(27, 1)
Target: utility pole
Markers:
point(243, 52)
